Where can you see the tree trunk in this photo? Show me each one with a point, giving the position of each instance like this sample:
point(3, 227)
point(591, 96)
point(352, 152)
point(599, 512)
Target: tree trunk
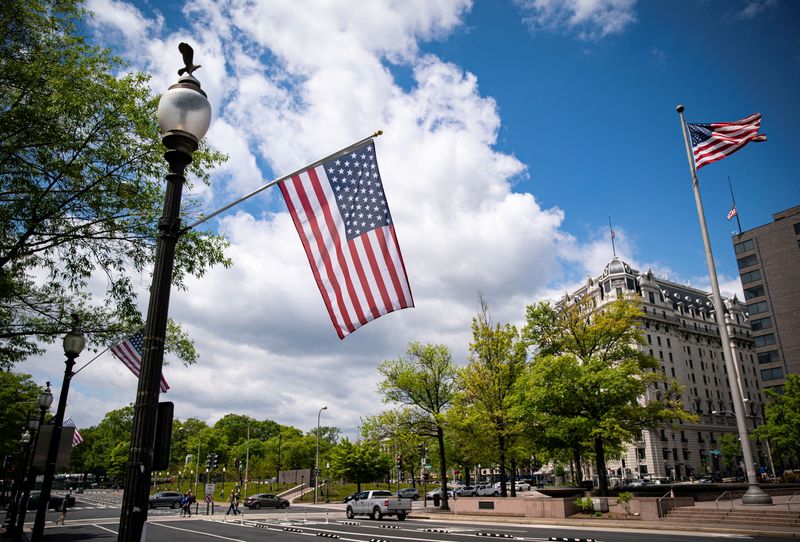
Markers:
point(513, 478)
point(442, 467)
point(576, 459)
point(501, 444)
point(602, 472)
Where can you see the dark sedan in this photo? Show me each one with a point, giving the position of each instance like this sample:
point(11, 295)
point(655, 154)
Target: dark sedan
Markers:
point(255, 502)
point(168, 499)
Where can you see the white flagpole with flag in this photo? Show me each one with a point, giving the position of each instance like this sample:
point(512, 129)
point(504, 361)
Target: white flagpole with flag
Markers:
point(754, 494)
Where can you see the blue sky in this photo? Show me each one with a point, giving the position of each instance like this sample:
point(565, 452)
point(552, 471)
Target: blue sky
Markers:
point(513, 129)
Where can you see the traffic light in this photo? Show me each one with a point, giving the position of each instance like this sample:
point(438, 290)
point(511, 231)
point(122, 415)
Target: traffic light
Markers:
point(421, 449)
point(208, 462)
point(236, 463)
point(214, 461)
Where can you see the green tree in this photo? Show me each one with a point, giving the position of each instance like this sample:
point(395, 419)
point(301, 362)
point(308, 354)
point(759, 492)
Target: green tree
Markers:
point(497, 359)
point(589, 375)
point(425, 381)
point(395, 431)
point(19, 401)
point(96, 453)
point(359, 462)
point(782, 421)
point(81, 185)
point(731, 450)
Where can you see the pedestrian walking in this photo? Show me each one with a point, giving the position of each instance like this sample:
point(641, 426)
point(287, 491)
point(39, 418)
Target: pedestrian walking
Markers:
point(188, 506)
point(63, 509)
point(233, 505)
point(184, 504)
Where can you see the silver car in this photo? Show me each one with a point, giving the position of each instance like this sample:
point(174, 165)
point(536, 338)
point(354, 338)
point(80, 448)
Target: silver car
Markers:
point(169, 499)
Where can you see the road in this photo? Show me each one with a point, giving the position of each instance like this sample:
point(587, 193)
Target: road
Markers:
point(97, 519)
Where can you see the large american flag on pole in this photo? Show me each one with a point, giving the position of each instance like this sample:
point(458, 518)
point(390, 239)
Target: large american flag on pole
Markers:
point(715, 141)
point(339, 209)
point(129, 352)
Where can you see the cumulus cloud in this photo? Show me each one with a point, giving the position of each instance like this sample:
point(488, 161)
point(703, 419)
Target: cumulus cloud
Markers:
point(288, 86)
point(588, 19)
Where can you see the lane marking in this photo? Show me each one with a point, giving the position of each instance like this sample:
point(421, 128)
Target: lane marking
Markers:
point(103, 528)
point(197, 532)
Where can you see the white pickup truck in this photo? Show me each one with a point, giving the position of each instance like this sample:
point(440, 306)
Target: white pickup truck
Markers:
point(378, 503)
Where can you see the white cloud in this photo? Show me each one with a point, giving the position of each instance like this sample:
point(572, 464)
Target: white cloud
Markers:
point(288, 86)
point(589, 19)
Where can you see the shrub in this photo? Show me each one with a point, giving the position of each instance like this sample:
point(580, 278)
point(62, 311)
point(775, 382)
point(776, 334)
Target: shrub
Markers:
point(585, 504)
point(624, 498)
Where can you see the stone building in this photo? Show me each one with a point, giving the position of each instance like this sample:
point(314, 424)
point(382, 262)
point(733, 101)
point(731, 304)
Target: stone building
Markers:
point(682, 333)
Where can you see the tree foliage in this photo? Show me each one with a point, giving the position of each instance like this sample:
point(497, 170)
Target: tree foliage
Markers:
point(80, 185)
point(359, 462)
point(589, 375)
point(19, 397)
point(497, 359)
point(782, 421)
point(425, 380)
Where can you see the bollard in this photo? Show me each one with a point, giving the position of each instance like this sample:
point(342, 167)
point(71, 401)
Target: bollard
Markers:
point(326, 516)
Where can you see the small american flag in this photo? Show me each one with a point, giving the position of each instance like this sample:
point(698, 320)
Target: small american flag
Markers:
point(732, 213)
point(340, 212)
point(715, 141)
point(76, 436)
point(129, 352)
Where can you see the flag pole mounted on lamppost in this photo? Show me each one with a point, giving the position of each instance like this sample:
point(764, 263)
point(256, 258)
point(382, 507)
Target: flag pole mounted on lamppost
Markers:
point(754, 493)
point(184, 116)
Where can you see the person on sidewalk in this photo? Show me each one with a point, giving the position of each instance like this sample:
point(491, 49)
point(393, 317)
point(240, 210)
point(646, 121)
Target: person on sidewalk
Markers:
point(63, 509)
point(233, 505)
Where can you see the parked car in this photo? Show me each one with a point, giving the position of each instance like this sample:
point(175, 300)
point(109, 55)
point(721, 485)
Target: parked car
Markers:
point(409, 493)
point(636, 483)
point(486, 490)
point(167, 499)
point(522, 485)
point(466, 491)
point(438, 491)
point(53, 504)
point(265, 499)
point(350, 497)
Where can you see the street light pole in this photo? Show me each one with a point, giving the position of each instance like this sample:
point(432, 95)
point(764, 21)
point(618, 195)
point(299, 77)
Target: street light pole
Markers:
point(45, 400)
point(184, 116)
point(316, 462)
point(73, 346)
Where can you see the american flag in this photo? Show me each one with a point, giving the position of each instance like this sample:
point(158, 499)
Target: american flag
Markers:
point(129, 352)
point(339, 209)
point(715, 141)
point(732, 212)
point(76, 436)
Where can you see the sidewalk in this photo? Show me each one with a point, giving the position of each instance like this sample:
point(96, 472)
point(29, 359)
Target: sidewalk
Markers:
point(751, 528)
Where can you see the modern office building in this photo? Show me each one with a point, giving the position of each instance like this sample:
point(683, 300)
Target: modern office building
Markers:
point(682, 333)
point(769, 267)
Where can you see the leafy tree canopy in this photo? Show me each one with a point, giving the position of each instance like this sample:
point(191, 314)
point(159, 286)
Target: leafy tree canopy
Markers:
point(81, 186)
point(782, 417)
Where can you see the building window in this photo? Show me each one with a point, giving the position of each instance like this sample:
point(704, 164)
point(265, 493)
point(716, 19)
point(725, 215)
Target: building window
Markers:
point(744, 246)
point(797, 229)
point(652, 297)
point(761, 323)
point(747, 261)
point(768, 357)
point(772, 374)
point(757, 308)
point(751, 276)
point(764, 340)
point(755, 291)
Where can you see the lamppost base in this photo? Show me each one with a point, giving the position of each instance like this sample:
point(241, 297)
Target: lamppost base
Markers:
point(755, 495)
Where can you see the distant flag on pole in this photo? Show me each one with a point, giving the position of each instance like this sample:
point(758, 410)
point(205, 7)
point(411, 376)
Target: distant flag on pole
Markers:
point(715, 141)
point(129, 352)
point(340, 212)
point(613, 236)
point(732, 213)
point(76, 436)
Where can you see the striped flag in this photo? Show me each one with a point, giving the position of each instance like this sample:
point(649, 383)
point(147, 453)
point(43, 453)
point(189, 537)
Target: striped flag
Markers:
point(76, 436)
point(732, 213)
point(340, 212)
point(129, 352)
point(715, 141)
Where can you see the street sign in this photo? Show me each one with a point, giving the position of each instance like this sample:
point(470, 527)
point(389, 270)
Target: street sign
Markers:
point(209, 498)
point(209, 489)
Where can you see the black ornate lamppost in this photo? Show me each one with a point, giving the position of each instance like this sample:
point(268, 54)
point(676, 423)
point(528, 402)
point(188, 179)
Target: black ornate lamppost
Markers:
point(184, 116)
point(45, 400)
point(73, 346)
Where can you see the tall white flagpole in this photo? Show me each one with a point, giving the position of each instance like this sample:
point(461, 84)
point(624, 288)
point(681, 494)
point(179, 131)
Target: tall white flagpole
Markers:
point(754, 493)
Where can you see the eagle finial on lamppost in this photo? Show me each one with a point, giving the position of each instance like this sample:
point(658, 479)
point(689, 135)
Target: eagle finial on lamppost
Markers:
point(188, 59)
